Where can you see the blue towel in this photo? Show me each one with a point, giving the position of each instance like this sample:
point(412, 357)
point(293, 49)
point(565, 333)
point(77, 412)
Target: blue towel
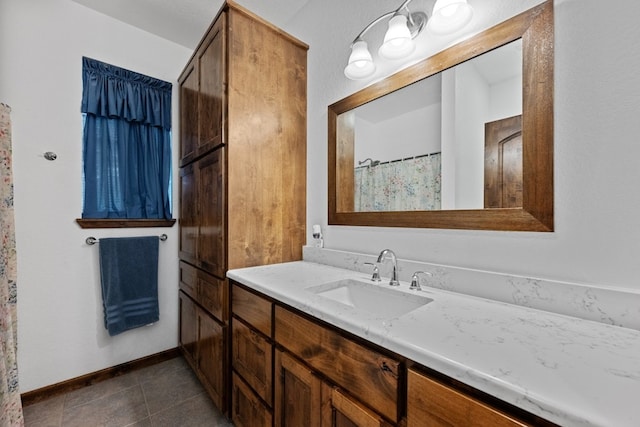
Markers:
point(129, 276)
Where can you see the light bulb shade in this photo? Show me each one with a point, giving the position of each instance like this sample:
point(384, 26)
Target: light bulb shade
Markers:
point(397, 40)
point(360, 64)
point(449, 16)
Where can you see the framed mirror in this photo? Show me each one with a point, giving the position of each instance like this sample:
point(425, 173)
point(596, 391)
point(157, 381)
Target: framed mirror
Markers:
point(460, 140)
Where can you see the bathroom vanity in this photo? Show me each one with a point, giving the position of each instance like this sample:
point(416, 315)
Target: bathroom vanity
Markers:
point(301, 352)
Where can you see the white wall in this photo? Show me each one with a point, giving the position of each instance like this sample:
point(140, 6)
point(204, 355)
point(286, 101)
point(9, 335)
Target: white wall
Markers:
point(597, 149)
point(60, 318)
point(472, 104)
point(505, 99)
point(410, 134)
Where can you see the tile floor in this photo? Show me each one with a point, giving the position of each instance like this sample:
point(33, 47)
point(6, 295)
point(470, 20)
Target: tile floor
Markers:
point(167, 394)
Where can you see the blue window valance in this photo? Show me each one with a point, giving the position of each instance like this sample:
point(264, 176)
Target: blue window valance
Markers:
point(126, 143)
point(115, 92)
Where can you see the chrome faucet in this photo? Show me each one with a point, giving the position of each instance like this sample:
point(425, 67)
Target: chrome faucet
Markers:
point(375, 277)
point(415, 280)
point(394, 260)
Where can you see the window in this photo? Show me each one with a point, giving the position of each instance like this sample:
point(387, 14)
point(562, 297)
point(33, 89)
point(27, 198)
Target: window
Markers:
point(126, 145)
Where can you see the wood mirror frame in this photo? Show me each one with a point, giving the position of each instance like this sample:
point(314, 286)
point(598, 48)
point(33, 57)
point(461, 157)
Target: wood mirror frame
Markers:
point(535, 27)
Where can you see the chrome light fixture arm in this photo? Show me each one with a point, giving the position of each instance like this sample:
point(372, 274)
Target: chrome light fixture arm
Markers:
point(371, 25)
point(416, 20)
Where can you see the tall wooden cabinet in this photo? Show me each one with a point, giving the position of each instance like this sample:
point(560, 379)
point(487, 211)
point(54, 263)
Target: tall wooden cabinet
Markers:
point(242, 175)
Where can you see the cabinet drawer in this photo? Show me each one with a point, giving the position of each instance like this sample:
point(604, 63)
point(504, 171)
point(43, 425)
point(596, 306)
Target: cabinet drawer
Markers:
point(189, 279)
point(358, 369)
point(253, 309)
point(252, 356)
point(246, 408)
point(213, 295)
point(432, 403)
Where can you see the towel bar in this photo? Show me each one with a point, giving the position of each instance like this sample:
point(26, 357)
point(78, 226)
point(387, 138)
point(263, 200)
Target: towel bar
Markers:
point(92, 240)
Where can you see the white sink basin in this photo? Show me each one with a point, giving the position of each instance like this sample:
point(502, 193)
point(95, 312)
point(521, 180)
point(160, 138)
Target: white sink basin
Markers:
point(373, 298)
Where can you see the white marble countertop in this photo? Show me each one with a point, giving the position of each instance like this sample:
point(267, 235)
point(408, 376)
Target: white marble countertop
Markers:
point(570, 371)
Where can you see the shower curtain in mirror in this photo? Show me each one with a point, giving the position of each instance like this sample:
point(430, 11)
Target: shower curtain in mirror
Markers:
point(403, 185)
point(10, 405)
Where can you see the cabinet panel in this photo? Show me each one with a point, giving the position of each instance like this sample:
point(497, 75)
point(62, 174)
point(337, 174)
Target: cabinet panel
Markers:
point(267, 74)
point(188, 327)
point(188, 113)
point(252, 308)
point(188, 215)
point(202, 213)
point(189, 279)
point(339, 410)
point(211, 356)
point(252, 357)
point(211, 56)
point(365, 373)
point(202, 96)
point(434, 404)
point(298, 393)
point(213, 295)
point(246, 409)
point(211, 219)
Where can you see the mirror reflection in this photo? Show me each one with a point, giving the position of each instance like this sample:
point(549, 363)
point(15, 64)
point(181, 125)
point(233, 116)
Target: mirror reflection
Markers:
point(449, 141)
point(503, 185)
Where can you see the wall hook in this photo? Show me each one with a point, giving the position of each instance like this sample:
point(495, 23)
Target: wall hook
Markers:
point(50, 155)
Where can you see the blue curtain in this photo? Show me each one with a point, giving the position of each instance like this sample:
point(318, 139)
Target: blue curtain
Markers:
point(127, 143)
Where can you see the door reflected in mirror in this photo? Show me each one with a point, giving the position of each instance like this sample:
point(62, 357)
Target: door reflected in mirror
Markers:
point(434, 144)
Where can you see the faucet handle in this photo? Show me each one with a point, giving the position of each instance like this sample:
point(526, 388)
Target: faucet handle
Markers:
point(375, 277)
point(415, 280)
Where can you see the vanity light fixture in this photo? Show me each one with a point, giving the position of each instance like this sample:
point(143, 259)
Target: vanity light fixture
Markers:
point(404, 27)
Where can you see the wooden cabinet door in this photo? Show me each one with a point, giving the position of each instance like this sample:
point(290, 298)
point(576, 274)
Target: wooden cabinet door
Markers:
point(211, 356)
point(503, 183)
point(252, 357)
point(188, 327)
point(212, 99)
point(368, 374)
point(430, 403)
point(203, 96)
point(246, 409)
point(211, 208)
point(339, 410)
point(189, 125)
point(188, 215)
point(298, 393)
